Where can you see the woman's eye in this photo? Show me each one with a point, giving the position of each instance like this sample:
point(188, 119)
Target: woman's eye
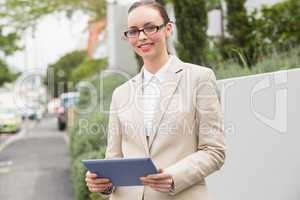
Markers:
point(150, 29)
point(132, 32)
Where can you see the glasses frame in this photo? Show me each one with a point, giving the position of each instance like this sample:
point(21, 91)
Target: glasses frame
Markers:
point(143, 30)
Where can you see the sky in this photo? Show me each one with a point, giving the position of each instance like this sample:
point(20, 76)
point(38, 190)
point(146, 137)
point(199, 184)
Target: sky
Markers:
point(57, 35)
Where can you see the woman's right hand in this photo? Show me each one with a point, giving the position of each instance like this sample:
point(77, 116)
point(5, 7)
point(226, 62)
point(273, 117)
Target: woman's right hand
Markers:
point(96, 184)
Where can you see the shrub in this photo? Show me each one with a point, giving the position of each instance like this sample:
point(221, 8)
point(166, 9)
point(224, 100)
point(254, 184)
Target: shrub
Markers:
point(78, 174)
point(88, 136)
point(88, 68)
point(273, 62)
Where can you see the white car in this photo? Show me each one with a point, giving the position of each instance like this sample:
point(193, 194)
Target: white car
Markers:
point(10, 120)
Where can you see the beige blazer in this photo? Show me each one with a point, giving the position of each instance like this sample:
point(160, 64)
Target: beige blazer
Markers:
point(187, 140)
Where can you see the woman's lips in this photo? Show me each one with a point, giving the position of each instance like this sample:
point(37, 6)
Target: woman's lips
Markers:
point(145, 47)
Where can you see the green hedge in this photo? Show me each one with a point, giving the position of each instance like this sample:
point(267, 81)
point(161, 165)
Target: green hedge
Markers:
point(88, 136)
point(78, 174)
point(275, 62)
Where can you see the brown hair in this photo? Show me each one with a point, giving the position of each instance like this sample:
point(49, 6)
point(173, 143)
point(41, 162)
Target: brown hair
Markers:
point(152, 3)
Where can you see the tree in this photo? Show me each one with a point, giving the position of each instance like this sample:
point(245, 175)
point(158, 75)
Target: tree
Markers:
point(191, 22)
point(239, 29)
point(8, 42)
point(21, 14)
point(87, 69)
point(237, 22)
point(5, 74)
point(7, 46)
point(279, 24)
point(59, 74)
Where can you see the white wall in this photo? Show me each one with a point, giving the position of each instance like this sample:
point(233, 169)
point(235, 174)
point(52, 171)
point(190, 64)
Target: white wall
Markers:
point(262, 135)
point(120, 54)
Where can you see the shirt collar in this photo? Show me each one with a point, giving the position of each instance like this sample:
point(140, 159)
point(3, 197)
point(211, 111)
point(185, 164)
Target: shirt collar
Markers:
point(160, 74)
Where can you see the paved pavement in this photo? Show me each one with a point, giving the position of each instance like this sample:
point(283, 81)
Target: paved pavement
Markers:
point(36, 166)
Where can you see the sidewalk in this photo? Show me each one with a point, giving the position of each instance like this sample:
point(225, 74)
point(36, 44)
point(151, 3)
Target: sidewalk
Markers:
point(36, 166)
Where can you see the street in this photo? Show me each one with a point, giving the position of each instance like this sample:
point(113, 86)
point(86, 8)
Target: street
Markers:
point(37, 165)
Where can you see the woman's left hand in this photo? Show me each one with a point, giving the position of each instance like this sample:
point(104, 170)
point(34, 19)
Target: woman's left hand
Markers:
point(160, 182)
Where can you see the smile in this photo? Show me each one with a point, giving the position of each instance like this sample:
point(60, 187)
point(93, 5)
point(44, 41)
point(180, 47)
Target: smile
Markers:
point(146, 45)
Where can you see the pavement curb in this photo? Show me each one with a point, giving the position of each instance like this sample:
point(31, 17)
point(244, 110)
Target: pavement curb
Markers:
point(66, 138)
point(12, 139)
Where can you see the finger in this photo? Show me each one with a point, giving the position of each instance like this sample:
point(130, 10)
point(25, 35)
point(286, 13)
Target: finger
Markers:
point(159, 176)
point(91, 175)
point(98, 188)
point(95, 189)
point(151, 180)
point(97, 181)
point(101, 180)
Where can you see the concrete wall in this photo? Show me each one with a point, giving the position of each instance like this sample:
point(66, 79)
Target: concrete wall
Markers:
point(120, 54)
point(262, 134)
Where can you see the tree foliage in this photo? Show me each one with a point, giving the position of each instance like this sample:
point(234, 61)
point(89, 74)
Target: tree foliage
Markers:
point(253, 36)
point(237, 22)
point(278, 26)
point(71, 68)
point(21, 14)
point(191, 22)
point(8, 42)
point(5, 74)
point(214, 4)
point(240, 32)
point(7, 46)
point(87, 69)
point(60, 72)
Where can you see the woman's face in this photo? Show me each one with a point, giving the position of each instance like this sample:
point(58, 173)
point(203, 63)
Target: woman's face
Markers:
point(151, 46)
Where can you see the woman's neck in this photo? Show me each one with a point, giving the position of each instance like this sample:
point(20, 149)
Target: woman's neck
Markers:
point(154, 65)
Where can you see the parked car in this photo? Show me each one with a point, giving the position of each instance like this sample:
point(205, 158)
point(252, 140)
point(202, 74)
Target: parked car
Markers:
point(66, 100)
point(10, 120)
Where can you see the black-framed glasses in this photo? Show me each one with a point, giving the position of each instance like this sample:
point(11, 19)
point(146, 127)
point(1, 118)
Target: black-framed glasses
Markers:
point(147, 30)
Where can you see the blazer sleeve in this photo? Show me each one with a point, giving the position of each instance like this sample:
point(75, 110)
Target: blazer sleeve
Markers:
point(114, 139)
point(210, 154)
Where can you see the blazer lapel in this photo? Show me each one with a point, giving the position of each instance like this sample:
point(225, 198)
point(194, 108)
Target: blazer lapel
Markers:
point(168, 88)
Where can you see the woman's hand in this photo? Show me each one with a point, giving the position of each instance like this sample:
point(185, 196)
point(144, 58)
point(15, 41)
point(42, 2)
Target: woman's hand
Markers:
point(96, 184)
point(160, 182)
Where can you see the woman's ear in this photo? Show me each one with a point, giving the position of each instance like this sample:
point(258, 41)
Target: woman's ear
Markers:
point(169, 29)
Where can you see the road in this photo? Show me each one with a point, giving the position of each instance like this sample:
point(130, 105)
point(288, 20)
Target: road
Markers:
point(36, 166)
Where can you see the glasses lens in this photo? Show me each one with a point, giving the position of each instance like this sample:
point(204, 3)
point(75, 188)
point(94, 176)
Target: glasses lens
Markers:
point(150, 29)
point(132, 33)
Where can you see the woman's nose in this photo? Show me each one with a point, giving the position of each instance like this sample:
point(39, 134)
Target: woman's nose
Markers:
point(142, 36)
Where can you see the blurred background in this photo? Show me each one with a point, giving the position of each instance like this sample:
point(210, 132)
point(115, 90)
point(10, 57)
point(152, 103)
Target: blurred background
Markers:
point(60, 60)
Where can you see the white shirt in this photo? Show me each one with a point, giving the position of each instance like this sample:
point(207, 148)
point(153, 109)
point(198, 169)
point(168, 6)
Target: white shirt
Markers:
point(151, 94)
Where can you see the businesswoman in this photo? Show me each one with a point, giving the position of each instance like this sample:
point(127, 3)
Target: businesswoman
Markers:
point(169, 112)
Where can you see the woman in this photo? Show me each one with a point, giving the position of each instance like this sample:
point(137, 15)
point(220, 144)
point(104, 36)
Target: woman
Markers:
point(169, 112)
